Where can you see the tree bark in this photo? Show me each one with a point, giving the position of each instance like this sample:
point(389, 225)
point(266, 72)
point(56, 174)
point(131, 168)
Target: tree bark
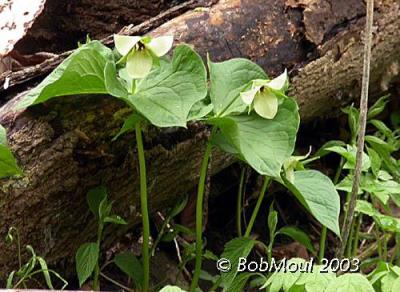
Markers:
point(65, 145)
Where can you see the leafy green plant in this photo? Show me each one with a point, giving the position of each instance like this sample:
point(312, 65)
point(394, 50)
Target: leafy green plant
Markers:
point(128, 263)
point(29, 270)
point(88, 254)
point(8, 164)
point(170, 92)
point(385, 277)
point(162, 95)
point(378, 181)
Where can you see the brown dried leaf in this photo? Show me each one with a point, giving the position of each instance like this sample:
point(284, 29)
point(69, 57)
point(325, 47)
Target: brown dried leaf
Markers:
point(16, 17)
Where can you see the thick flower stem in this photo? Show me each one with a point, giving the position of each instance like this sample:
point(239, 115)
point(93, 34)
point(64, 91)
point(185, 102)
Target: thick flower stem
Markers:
point(264, 187)
point(199, 212)
point(144, 208)
point(96, 283)
point(322, 244)
point(239, 202)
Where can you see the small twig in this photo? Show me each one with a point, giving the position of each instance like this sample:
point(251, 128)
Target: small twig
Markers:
point(116, 283)
point(178, 253)
point(368, 232)
point(362, 126)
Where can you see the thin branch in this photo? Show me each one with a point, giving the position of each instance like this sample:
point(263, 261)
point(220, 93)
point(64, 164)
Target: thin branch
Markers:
point(116, 283)
point(361, 130)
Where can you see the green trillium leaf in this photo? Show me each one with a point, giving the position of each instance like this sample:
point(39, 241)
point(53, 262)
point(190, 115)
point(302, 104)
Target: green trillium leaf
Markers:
point(81, 73)
point(167, 95)
point(8, 164)
point(264, 144)
point(228, 80)
point(350, 283)
point(317, 193)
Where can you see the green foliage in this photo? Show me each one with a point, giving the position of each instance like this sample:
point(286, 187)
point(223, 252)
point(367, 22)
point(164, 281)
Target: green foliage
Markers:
point(88, 254)
point(263, 144)
point(298, 235)
point(350, 283)
point(386, 222)
point(131, 266)
point(167, 95)
point(27, 271)
point(225, 92)
point(285, 280)
point(318, 195)
point(235, 249)
point(81, 73)
point(86, 260)
point(168, 92)
point(8, 164)
point(385, 277)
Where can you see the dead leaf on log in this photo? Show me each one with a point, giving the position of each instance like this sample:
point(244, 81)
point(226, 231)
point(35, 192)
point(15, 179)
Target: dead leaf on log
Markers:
point(16, 17)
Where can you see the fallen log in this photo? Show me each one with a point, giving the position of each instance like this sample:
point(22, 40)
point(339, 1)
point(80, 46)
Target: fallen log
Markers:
point(65, 148)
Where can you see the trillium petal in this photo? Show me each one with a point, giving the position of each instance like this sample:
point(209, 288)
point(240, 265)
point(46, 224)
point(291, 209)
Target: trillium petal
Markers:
point(124, 43)
point(138, 64)
point(248, 96)
point(161, 45)
point(266, 104)
point(279, 82)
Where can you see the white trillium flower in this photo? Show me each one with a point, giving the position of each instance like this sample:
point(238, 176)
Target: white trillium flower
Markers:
point(262, 97)
point(138, 52)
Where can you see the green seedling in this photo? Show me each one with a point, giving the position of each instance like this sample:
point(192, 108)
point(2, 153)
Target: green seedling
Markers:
point(87, 257)
point(34, 266)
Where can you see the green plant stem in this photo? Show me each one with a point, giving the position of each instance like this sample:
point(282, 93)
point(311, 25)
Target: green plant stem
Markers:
point(324, 231)
point(96, 284)
point(199, 212)
point(338, 171)
point(385, 248)
point(239, 202)
point(144, 208)
point(269, 250)
point(264, 187)
point(396, 250)
point(322, 244)
point(379, 242)
point(25, 277)
point(160, 235)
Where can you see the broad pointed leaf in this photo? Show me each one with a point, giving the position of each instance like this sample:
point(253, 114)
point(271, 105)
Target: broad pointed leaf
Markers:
point(264, 144)
point(167, 95)
point(8, 164)
point(234, 250)
point(86, 260)
point(81, 73)
point(318, 195)
point(228, 80)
